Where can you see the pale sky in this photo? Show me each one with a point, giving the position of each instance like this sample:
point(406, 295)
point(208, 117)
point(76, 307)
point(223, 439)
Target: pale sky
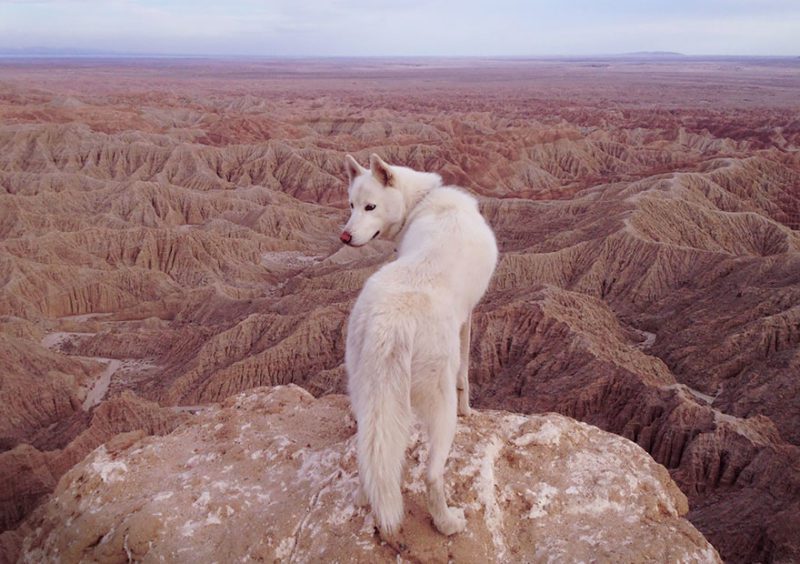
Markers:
point(404, 27)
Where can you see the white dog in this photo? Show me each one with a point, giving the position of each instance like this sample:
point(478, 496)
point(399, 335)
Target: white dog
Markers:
point(408, 335)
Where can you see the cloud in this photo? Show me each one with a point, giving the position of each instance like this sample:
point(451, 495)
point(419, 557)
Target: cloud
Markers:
point(404, 27)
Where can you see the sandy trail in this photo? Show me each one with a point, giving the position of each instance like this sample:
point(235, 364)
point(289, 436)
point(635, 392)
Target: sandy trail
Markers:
point(85, 317)
point(189, 408)
point(696, 393)
point(54, 340)
point(288, 259)
point(97, 392)
point(100, 387)
point(649, 339)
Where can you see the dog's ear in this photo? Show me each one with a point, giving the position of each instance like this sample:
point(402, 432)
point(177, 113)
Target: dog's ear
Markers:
point(353, 168)
point(380, 170)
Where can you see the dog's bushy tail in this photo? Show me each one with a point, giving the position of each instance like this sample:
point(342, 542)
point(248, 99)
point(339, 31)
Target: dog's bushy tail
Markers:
point(384, 412)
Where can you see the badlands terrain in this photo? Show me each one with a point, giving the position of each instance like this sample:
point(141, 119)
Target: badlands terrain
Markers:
point(169, 239)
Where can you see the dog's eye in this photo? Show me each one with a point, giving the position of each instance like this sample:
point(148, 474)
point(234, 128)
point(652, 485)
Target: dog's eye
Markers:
point(351, 205)
point(369, 207)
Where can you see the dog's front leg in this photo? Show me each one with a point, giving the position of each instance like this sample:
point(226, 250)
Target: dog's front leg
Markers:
point(462, 383)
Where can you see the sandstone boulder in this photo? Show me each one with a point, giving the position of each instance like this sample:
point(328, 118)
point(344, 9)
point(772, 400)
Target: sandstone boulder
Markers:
point(270, 475)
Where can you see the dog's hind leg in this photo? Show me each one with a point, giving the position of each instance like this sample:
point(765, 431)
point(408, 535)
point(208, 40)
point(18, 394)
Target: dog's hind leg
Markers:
point(462, 383)
point(439, 417)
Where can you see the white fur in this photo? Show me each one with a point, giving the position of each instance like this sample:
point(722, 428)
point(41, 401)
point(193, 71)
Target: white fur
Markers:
point(408, 334)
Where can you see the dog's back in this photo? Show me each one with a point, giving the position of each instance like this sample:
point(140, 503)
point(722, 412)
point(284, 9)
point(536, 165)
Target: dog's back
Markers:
point(449, 245)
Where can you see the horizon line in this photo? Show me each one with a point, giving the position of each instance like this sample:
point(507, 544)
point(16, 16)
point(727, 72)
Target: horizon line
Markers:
point(67, 53)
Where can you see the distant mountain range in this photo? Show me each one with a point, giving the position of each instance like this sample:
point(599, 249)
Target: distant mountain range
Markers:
point(54, 52)
point(70, 52)
point(666, 54)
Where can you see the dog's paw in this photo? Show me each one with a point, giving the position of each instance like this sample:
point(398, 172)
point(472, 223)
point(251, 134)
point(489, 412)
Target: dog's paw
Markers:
point(464, 410)
point(453, 523)
point(394, 539)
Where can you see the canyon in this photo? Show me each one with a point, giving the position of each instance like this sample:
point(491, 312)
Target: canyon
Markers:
point(169, 239)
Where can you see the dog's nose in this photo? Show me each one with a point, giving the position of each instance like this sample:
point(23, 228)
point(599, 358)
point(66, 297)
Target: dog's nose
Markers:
point(345, 237)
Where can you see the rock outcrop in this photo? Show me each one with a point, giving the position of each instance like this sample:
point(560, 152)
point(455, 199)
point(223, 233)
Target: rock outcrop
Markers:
point(271, 475)
point(30, 473)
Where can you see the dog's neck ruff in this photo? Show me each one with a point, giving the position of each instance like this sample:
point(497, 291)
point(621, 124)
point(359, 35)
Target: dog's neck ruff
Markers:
point(412, 203)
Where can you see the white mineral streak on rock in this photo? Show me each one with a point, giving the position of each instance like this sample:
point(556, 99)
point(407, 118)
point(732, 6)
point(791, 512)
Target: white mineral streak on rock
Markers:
point(109, 470)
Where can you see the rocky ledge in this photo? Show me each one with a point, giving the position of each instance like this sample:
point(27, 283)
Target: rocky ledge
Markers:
point(270, 475)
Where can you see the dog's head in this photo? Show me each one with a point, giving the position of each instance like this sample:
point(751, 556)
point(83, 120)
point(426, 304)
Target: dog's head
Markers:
point(376, 205)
